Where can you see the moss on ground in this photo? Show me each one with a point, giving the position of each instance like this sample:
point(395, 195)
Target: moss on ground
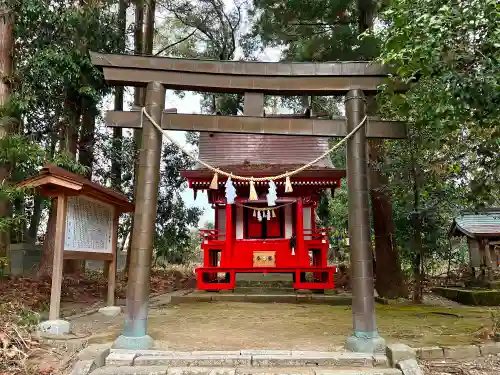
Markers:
point(471, 297)
point(230, 326)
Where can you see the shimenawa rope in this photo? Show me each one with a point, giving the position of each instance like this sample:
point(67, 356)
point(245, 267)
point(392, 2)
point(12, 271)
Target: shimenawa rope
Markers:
point(244, 178)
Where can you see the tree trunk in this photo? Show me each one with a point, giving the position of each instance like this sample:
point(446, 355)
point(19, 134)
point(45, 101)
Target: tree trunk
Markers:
point(138, 102)
point(417, 227)
point(47, 258)
point(87, 135)
point(6, 45)
point(68, 144)
point(116, 167)
point(35, 219)
point(389, 281)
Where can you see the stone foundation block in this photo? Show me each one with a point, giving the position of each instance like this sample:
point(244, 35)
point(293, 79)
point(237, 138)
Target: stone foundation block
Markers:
point(399, 352)
point(140, 352)
point(490, 348)
point(110, 311)
point(130, 370)
point(215, 352)
point(275, 371)
point(430, 352)
point(83, 367)
point(372, 371)
point(54, 327)
point(96, 353)
point(194, 360)
point(200, 371)
point(265, 352)
point(121, 359)
point(316, 359)
point(461, 352)
point(380, 360)
point(191, 298)
point(229, 297)
point(410, 367)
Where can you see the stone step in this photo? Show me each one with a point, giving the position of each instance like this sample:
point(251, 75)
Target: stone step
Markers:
point(195, 297)
point(243, 358)
point(165, 370)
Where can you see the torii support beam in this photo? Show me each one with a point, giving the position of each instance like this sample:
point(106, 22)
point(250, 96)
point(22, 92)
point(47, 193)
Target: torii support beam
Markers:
point(351, 79)
point(335, 127)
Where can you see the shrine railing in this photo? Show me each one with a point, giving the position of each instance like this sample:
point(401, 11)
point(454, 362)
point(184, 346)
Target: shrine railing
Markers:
point(317, 234)
point(212, 235)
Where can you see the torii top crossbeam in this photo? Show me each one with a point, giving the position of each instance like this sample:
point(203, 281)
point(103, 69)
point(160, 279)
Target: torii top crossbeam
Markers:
point(328, 78)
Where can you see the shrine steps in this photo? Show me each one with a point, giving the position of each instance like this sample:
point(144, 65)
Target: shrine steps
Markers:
point(162, 370)
point(244, 362)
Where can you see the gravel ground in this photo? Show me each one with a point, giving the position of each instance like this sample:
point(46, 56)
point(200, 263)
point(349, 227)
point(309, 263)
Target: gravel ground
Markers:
point(481, 366)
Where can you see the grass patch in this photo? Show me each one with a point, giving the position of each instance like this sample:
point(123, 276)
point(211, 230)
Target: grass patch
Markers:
point(233, 326)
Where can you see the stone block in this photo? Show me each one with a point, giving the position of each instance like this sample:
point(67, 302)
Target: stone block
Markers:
point(229, 297)
point(140, 352)
point(309, 353)
point(364, 371)
point(461, 352)
point(303, 298)
point(121, 359)
point(399, 352)
point(130, 370)
point(54, 327)
point(380, 360)
point(349, 359)
point(490, 348)
point(110, 311)
point(83, 367)
point(96, 353)
point(315, 359)
point(430, 352)
point(410, 367)
point(264, 352)
point(271, 298)
point(193, 297)
point(200, 371)
point(194, 360)
point(275, 371)
point(216, 352)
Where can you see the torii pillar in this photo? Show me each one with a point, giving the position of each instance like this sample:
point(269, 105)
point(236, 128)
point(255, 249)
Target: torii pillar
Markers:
point(148, 175)
point(365, 337)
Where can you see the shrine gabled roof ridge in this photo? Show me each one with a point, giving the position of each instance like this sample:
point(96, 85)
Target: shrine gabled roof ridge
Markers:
point(483, 223)
point(110, 195)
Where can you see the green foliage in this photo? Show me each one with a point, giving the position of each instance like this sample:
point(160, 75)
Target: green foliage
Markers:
point(312, 30)
point(173, 218)
point(453, 53)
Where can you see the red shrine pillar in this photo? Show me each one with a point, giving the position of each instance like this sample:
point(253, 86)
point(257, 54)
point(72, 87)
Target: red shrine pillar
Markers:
point(300, 234)
point(228, 248)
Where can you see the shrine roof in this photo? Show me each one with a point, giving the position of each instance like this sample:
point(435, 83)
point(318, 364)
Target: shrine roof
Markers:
point(254, 151)
point(485, 223)
point(53, 180)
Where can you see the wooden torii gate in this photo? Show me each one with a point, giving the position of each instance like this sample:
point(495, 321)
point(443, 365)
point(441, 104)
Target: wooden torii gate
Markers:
point(353, 80)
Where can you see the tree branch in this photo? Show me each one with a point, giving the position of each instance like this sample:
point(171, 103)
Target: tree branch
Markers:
point(176, 43)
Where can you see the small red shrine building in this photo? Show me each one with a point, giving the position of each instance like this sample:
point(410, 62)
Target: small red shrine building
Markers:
point(249, 236)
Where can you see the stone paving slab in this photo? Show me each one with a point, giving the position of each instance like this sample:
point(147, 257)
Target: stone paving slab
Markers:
point(322, 359)
point(121, 359)
point(164, 370)
point(461, 352)
point(194, 360)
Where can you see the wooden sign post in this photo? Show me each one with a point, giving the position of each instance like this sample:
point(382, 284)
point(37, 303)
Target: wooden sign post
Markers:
point(86, 229)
